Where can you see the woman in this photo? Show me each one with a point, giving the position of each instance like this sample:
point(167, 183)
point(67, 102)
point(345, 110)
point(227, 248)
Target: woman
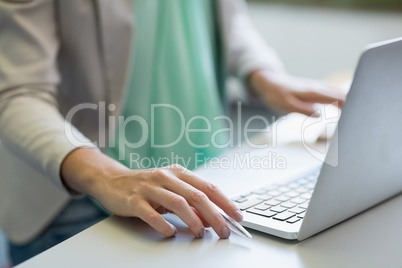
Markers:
point(69, 69)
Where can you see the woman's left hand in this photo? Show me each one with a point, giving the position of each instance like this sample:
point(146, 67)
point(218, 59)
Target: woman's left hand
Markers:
point(286, 94)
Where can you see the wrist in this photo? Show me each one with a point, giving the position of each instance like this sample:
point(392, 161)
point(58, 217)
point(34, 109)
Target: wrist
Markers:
point(264, 80)
point(86, 171)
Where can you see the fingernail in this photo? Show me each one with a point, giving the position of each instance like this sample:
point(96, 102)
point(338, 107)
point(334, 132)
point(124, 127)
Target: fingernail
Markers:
point(175, 232)
point(201, 233)
point(225, 232)
point(238, 215)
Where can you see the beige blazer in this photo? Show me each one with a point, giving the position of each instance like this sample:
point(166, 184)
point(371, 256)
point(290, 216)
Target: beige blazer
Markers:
point(56, 54)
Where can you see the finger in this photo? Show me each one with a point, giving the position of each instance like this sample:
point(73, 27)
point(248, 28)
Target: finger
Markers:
point(325, 97)
point(199, 201)
point(162, 210)
point(208, 211)
point(180, 207)
point(155, 220)
point(213, 192)
point(300, 106)
point(204, 222)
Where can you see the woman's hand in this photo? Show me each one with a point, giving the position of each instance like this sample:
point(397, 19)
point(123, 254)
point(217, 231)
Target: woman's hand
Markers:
point(146, 193)
point(286, 94)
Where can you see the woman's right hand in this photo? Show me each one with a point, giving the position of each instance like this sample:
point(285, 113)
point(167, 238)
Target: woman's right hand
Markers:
point(146, 193)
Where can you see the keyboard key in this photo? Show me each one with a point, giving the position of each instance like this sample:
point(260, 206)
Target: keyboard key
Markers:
point(304, 205)
point(284, 216)
point(272, 202)
point(241, 200)
point(246, 194)
point(305, 196)
point(301, 189)
point(288, 204)
point(302, 181)
point(284, 189)
point(310, 186)
point(311, 177)
point(297, 210)
point(293, 185)
point(259, 191)
point(282, 198)
point(248, 204)
point(274, 193)
point(262, 207)
point(297, 200)
point(264, 197)
point(293, 220)
point(278, 209)
point(292, 194)
point(301, 215)
point(270, 187)
point(237, 198)
point(265, 213)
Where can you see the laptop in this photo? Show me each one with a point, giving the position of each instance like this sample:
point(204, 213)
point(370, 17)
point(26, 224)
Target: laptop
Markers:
point(369, 152)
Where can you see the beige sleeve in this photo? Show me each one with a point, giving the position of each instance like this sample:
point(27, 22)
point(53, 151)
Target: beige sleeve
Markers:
point(30, 123)
point(246, 49)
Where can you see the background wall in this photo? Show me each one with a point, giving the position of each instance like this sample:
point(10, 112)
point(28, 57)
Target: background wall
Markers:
point(319, 42)
point(370, 4)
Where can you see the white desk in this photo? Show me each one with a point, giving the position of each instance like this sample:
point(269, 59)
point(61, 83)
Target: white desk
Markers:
point(371, 239)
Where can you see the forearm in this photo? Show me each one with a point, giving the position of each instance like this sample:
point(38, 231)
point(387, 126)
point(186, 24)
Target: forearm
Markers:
point(85, 171)
point(262, 78)
point(33, 129)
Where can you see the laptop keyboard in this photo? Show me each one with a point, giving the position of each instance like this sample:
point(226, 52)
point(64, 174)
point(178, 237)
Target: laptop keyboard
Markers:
point(285, 202)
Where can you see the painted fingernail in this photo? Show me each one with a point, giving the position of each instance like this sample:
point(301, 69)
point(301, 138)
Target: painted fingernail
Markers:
point(201, 233)
point(225, 232)
point(238, 215)
point(175, 232)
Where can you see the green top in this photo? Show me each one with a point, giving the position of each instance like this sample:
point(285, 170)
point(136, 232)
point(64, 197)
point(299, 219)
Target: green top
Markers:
point(173, 87)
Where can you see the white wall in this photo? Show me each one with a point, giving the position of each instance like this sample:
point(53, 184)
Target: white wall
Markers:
point(316, 42)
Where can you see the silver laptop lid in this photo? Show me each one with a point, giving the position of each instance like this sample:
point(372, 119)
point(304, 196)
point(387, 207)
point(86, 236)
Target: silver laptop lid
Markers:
point(369, 144)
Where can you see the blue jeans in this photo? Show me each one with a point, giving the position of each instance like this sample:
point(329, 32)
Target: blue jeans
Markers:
point(74, 218)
